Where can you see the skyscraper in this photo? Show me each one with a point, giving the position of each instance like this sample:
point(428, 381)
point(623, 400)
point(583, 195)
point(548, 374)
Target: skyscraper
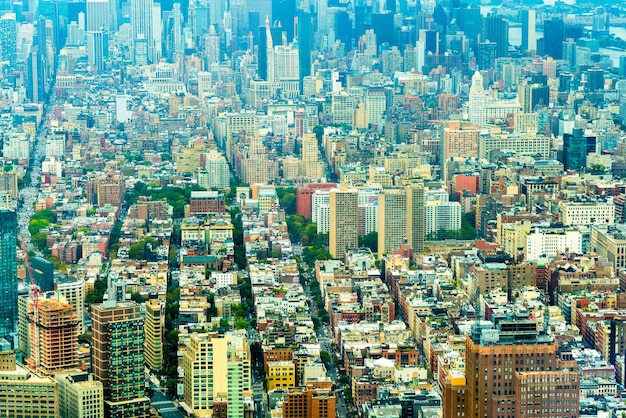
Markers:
point(344, 220)
point(8, 274)
point(154, 333)
point(284, 12)
point(264, 37)
point(392, 220)
point(217, 371)
point(553, 37)
point(142, 25)
point(305, 43)
point(97, 50)
point(529, 36)
point(504, 361)
point(98, 15)
point(117, 354)
point(477, 98)
point(8, 38)
point(496, 29)
point(56, 326)
point(416, 217)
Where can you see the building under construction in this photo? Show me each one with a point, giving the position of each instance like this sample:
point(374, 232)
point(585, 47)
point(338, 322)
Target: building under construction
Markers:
point(56, 326)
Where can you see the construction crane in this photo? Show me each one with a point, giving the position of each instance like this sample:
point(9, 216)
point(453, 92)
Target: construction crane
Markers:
point(34, 292)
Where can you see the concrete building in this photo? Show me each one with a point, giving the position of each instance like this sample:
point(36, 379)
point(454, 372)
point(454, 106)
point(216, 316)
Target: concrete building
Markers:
point(587, 213)
point(460, 139)
point(73, 290)
point(525, 145)
point(118, 354)
point(56, 327)
point(416, 217)
point(217, 369)
point(440, 213)
point(344, 222)
point(281, 374)
point(551, 242)
point(154, 334)
point(310, 402)
point(610, 242)
point(79, 395)
point(320, 211)
point(392, 220)
point(214, 171)
point(24, 393)
point(504, 362)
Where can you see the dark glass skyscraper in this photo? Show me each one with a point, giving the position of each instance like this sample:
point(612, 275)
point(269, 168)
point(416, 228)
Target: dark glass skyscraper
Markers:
point(553, 37)
point(496, 29)
point(305, 42)
point(284, 11)
point(576, 147)
point(8, 274)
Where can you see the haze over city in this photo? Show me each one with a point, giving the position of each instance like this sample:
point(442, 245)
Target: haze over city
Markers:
point(312, 209)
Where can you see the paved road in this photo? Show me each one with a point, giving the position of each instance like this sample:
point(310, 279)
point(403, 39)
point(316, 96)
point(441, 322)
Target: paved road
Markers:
point(165, 406)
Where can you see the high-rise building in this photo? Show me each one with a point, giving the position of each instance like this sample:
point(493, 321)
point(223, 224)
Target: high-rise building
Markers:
point(212, 47)
point(43, 270)
point(55, 329)
point(79, 395)
point(553, 37)
point(142, 26)
point(416, 217)
point(98, 15)
point(73, 290)
point(344, 220)
point(576, 147)
point(305, 42)
point(392, 220)
point(24, 393)
point(154, 334)
point(477, 99)
point(216, 371)
point(504, 361)
point(35, 75)
point(8, 274)
point(529, 36)
point(264, 37)
point(284, 12)
point(460, 140)
point(487, 54)
point(496, 29)
point(97, 50)
point(8, 38)
point(469, 21)
point(176, 30)
point(117, 354)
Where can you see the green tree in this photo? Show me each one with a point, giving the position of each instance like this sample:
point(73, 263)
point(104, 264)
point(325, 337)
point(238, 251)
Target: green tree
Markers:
point(39, 240)
point(241, 323)
point(288, 203)
point(137, 251)
point(325, 357)
point(47, 214)
point(319, 133)
point(36, 225)
point(96, 295)
point(370, 241)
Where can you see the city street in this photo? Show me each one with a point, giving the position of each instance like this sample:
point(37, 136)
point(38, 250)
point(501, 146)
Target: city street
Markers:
point(165, 406)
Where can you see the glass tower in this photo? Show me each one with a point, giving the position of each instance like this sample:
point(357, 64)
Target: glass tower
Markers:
point(8, 274)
